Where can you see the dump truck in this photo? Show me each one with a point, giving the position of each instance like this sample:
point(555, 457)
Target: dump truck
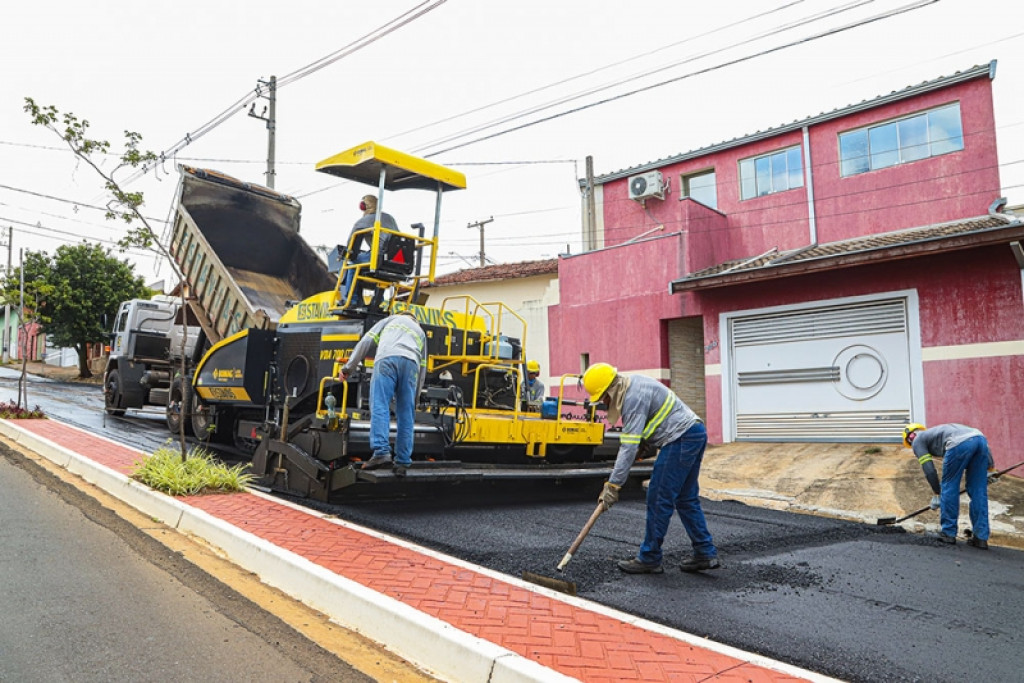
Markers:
point(238, 247)
point(269, 382)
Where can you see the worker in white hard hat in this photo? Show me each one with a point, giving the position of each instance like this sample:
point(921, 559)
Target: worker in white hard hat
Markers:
point(533, 388)
point(654, 416)
point(965, 453)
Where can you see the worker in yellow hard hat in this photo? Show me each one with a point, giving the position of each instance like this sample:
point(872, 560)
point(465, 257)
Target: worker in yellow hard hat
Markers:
point(533, 388)
point(964, 452)
point(654, 416)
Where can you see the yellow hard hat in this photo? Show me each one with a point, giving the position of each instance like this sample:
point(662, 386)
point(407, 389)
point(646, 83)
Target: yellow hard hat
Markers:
point(533, 366)
point(910, 429)
point(597, 379)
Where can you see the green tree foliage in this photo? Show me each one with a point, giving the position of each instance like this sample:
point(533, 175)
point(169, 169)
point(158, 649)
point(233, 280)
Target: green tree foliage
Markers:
point(76, 293)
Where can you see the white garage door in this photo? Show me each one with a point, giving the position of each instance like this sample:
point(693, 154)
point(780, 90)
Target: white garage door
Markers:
point(835, 373)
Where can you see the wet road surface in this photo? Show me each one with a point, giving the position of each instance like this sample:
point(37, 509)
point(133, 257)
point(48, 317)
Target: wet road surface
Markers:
point(854, 601)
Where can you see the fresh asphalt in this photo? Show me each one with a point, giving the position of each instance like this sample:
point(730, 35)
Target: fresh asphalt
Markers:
point(858, 602)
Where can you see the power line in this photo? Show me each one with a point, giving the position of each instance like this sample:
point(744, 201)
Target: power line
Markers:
point(594, 71)
point(644, 74)
point(66, 201)
point(676, 79)
point(240, 104)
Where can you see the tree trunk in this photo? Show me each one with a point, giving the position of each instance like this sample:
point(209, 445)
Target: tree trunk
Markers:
point(83, 361)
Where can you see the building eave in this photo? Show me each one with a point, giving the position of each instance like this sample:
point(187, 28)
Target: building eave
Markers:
point(1012, 231)
point(981, 71)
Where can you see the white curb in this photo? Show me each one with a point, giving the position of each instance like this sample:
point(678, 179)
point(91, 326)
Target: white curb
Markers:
point(435, 645)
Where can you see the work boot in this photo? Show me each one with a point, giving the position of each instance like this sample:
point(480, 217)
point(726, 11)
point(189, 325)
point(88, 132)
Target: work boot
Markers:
point(699, 563)
point(377, 461)
point(977, 543)
point(942, 538)
point(635, 566)
point(399, 470)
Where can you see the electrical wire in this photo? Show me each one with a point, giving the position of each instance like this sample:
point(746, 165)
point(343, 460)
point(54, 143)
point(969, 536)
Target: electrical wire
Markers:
point(605, 67)
point(647, 73)
point(241, 103)
point(739, 60)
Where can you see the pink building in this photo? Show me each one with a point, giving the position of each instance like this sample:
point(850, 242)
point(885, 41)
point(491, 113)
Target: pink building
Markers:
point(826, 280)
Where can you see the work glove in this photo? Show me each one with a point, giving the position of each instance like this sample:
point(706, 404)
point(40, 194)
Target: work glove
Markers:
point(936, 503)
point(609, 495)
point(992, 476)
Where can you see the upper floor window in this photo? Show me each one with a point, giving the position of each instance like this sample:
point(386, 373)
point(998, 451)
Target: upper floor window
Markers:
point(920, 136)
point(775, 172)
point(701, 186)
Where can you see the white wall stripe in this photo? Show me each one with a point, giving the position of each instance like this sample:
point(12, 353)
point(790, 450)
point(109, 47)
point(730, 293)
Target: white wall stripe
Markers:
point(965, 351)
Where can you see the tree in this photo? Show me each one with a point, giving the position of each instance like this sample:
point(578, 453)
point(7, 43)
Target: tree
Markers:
point(123, 205)
point(80, 287)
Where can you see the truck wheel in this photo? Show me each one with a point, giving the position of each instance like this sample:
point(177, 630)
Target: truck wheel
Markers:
point(203, 422)
point(112, 394)
point(179, 403)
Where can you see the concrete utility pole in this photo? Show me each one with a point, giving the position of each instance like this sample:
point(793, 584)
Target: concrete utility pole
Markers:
point(481, 224)
point(269, 114)
point(590, 234)
point(7, 306)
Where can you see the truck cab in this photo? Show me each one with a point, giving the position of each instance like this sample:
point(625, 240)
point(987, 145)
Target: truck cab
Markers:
point(145, 344)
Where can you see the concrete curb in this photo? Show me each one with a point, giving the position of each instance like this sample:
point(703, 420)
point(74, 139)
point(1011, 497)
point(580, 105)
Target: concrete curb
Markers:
point(437, 646)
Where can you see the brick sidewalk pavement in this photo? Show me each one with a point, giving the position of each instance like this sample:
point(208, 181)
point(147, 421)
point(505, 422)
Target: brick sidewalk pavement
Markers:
point(562, 635)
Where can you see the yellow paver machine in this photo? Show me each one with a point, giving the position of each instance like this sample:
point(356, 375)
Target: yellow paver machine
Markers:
point(277, 390)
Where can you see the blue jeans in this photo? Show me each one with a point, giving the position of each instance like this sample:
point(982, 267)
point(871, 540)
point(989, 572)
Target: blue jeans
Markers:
point(346, 283)
point(674, 486)
point(393, 376)
point(971, 456)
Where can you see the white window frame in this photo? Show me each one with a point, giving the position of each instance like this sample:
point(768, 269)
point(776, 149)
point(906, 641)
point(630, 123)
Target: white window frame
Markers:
point(901, 149)
point(684, 186)
point(782, 153)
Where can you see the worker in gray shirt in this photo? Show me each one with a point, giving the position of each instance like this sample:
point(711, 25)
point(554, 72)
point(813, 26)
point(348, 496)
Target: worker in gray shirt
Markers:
point(654, 418)
point(964, 451)
point(399, 369)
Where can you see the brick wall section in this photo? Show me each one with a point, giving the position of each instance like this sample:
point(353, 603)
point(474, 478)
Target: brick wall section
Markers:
point(686, 358)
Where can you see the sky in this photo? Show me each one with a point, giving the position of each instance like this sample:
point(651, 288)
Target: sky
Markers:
point(516, 94)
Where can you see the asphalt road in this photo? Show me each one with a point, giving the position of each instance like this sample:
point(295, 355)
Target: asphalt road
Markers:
point(854, 601)
point(87, 597)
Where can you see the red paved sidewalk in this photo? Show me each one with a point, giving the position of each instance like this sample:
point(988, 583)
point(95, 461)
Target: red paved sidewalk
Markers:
point(560, 635)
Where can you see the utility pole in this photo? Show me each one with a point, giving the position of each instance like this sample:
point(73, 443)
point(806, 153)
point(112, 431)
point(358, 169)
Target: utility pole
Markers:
point(269, 114)
point(590, 234)
point(7, 305)
point(481, 224)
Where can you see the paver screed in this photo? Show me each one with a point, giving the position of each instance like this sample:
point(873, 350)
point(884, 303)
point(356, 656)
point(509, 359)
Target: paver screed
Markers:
point(573, 640)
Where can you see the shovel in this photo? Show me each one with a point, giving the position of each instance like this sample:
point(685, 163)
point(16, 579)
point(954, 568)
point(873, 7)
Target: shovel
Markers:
point(886, 521)
point(561, 584)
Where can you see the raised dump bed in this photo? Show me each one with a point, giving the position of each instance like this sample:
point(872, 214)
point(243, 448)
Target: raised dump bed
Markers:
point(239, 248)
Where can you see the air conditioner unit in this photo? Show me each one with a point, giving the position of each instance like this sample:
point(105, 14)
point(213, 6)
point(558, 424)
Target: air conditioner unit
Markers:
point(647, 185)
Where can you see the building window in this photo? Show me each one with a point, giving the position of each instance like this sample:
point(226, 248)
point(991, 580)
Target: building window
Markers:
point(775, 172)
point(920, 136)
point(701, 187)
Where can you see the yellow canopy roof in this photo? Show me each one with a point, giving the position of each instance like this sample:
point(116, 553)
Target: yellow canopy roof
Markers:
point(364, 162)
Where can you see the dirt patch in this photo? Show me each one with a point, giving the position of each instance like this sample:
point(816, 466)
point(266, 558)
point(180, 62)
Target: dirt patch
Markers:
point(56, 372)
point(860, 482)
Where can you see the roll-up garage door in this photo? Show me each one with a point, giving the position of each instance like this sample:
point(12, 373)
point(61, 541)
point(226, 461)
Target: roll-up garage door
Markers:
point(834, 373)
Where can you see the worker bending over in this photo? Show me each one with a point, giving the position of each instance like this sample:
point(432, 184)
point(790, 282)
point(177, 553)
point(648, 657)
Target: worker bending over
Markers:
point(399, 369)
point(964, 450)
point(654, 416)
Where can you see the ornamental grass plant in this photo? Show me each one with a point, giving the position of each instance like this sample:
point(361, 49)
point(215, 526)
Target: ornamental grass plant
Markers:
point(199, 473)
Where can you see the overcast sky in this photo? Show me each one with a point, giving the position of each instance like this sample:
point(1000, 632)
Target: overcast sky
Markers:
point(466, 68)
